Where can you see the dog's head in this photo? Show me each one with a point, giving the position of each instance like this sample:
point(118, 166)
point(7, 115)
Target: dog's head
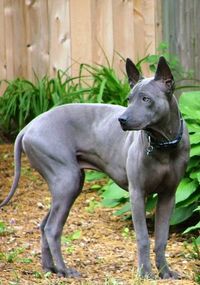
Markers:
point(149, 98)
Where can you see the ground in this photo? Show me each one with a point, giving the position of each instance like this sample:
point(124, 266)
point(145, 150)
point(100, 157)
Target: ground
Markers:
point(98, 244)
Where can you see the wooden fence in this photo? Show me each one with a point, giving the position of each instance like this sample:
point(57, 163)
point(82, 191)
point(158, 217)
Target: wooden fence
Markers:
point(43, 36)
point(180, 25)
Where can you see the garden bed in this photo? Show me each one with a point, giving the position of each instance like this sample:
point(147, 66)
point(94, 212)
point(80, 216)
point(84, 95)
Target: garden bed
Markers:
point(99, 245)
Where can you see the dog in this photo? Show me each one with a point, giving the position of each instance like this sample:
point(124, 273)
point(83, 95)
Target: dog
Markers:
point(144, 148)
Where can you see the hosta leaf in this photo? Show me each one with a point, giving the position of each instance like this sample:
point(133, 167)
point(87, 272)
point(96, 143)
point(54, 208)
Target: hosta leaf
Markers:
point(123, 210)
point(181, 214)
point(185, 189)
point(195, 138)
point(113, 191)
point(111, 203)
point(196, 227)
point(193, 163)
point(198, 208)
point(192, 199)
point(151, 203)
point(94, 175)
point(193, 127)
point(190, 102)
point(195, 150)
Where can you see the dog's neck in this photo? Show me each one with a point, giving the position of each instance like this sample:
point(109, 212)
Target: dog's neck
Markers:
point(168, 133)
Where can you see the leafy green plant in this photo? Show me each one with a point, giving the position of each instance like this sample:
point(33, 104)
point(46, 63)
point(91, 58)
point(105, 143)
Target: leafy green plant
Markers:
point(92, 205)
point(12, 255)
point(68, 240)
point(184, 79)
point(104, 85)
point(3, 228)
point(113, 195)
point(188, 192)
point(193, 250)
point(23, 100)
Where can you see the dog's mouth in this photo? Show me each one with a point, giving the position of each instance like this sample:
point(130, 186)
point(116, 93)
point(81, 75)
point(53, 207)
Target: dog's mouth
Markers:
point(127, 127)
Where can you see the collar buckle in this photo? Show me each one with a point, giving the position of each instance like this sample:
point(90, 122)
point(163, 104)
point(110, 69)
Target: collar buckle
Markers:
point(150, 148)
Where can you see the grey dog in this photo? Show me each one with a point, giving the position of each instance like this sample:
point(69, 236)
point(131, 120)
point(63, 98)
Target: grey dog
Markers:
point(144, 148)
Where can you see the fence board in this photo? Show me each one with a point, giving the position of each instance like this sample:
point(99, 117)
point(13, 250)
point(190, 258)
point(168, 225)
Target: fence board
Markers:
point(37, 34)
point(123, 30)
point(81, 32)
point(102, 35)
point(181, 30)
point(2, 41)
point(9, 39)
point(43, 36)
point(59, 35)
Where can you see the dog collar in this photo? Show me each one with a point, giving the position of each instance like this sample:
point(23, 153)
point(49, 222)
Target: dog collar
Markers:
point(164, 145)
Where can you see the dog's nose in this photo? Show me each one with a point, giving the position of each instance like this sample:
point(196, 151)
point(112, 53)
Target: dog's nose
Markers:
point(122, 120)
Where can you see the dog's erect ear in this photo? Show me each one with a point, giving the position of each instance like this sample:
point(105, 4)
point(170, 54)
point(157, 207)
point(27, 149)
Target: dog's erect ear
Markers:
point(163, 72)
point(132, 72)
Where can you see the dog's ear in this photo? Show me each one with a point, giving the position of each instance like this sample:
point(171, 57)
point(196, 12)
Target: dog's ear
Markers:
point(132, 72)
point(163, 73)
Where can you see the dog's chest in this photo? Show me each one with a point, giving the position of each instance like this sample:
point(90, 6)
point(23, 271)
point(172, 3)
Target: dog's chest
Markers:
point(159, 174)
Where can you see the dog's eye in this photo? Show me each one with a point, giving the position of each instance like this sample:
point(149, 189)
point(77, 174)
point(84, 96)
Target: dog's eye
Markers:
point(146, 99)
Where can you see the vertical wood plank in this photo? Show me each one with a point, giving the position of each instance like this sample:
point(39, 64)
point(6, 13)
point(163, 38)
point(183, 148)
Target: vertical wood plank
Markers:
point(144, 30)
point(181, 31)
point(81, 32)
point(43, 36)
point(139, 32)
point(158, 23)
point(149, 21)
point(9, 39)
point(59, 35)
point(3, 66)
point(102, 31)
point(123, 29)
point(19, 39)
point(37, 38)
point(2, 41)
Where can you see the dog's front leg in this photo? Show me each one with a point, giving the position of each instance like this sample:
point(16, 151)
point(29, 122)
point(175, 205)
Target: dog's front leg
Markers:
point(163, 213)
point(139, 220)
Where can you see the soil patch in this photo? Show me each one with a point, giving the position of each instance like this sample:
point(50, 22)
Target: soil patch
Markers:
point(99, 245)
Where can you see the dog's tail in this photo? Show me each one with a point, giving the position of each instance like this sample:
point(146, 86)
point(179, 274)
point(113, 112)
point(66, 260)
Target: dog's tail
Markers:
point(17, 159)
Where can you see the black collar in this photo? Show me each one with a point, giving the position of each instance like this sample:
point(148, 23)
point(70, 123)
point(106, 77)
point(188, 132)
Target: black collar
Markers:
point(164, 145)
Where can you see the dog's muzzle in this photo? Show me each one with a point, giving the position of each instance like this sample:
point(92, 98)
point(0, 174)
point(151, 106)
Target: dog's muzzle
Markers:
point(123, 122)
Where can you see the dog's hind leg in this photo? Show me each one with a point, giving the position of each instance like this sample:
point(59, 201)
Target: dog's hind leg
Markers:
point(64, 189)
point(47, 260)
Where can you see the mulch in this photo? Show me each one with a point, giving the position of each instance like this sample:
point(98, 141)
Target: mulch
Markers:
point(100, 245)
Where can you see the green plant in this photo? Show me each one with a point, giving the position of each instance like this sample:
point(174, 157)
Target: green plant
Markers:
point(12, 255)
point(193, 250)
point(182, 77)
point(68, 240)
point(23, 100)
point(3, 228)
point(92, 205)
point(113, 195)
point(188, 194)
point(104, 85)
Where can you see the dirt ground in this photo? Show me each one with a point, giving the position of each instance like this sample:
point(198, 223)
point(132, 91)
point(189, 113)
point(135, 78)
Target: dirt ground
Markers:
point(99, 245)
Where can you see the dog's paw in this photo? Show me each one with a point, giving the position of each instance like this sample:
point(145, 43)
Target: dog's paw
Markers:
point(68, 272)
point(170, 275)
point(146, 274)
point(51, 269)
